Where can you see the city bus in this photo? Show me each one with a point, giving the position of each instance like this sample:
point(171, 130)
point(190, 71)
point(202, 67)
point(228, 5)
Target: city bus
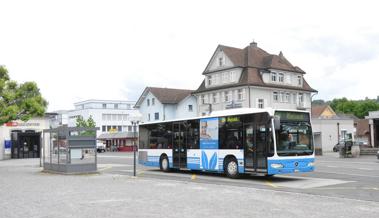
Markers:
point(234, 142)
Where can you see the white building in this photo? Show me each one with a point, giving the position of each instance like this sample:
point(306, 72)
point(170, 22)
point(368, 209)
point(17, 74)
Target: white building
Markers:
point(19, 139)
point(252, 78)
point(330, 128)
point(113, 118)
point(158, 104)
point(373, 118)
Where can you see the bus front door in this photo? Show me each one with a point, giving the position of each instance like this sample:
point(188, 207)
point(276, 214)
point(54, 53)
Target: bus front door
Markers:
point(179, 153)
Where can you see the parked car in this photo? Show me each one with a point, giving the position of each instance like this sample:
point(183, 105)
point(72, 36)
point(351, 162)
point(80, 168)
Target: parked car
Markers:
point(337, 147)
point(100, 147)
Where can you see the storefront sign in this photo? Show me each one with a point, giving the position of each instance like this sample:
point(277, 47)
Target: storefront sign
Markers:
point(14, 124)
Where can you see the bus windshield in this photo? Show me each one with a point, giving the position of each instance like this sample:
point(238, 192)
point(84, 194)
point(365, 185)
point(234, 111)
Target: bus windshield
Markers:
point(294, 139)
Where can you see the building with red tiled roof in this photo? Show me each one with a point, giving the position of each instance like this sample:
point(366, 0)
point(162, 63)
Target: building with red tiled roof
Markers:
point(251, 77)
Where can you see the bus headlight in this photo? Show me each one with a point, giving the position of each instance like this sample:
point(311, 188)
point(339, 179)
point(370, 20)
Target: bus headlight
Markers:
point(311, 164)
point(276, 165)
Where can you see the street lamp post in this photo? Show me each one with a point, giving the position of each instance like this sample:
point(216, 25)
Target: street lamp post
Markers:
point(134, 124)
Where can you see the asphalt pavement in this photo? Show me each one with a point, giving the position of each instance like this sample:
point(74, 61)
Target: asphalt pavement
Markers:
point(338, 188)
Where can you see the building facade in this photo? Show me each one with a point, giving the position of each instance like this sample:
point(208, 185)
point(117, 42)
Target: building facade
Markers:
point(158, 104)
point(253, 78)
point(373, 118)
point(113, 118)
point(330, 128)
point(19, 139)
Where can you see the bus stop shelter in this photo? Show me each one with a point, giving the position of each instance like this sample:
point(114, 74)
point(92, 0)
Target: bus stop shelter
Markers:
point(69, 150)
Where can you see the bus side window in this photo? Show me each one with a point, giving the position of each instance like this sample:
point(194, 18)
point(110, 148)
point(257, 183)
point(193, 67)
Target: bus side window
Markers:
point(193, 134)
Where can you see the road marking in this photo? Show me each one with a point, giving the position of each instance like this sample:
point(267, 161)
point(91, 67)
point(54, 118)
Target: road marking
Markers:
point(121, 157)
point(193, 177)
point(346, 162)
point(105, 168)
point(346, 174)
point(270, 184)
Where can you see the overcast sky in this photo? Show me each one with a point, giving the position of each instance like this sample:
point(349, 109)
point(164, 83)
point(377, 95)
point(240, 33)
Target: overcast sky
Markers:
point(107, 49)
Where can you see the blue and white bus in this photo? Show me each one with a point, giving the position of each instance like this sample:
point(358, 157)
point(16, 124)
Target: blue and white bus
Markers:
point(236, 141)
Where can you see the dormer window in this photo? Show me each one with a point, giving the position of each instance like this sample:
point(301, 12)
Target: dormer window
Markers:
point(299, 80)
point(202, 99)
point(273, 77)
point(209, 80)
point(281, 77)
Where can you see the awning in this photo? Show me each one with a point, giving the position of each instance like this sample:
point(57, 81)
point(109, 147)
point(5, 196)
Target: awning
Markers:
point(117, 135)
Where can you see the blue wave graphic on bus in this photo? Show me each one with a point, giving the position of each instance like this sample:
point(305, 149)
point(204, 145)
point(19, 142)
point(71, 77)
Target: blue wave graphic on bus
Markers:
point(211, 165)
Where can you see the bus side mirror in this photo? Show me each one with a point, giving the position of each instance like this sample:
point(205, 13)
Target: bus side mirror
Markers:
point(277, 123)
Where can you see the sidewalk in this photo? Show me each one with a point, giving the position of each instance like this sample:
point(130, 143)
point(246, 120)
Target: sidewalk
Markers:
point(26, 192)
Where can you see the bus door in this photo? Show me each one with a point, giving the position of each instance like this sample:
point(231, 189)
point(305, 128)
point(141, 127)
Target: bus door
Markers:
point(249, 145)
point(179, 153)
point(261, 141)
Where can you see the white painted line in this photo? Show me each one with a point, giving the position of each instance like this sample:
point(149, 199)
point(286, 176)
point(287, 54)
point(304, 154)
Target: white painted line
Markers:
point(296, 182)
point(347, 174)
point(120, 157)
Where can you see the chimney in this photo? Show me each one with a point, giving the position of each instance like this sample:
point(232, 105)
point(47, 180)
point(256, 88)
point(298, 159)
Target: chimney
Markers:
point(281, 54)
point(253, 44)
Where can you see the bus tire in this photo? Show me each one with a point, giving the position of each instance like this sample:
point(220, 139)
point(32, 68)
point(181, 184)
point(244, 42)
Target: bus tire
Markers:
point(164, 164)
point(231, 168)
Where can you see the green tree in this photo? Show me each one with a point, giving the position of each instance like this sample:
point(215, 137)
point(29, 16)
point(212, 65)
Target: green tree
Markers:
point(19, 101)
point(89, 123)
point(359, 108)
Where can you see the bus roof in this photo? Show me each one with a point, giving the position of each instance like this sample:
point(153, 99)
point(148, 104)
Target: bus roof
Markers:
point(229, 112)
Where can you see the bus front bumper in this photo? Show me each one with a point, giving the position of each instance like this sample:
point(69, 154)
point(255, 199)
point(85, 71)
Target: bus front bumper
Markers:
point(285, 166)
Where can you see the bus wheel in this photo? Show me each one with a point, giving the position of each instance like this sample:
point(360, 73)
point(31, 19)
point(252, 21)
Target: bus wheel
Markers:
point(163, 163)
point(231, 168)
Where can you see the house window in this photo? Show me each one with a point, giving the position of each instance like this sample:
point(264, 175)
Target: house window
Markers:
point(156, 116)
point(301, 98)
point(287, 97)
point(275, 96)
point(109, 128)
point(129, 128)
point(153, 101)
point(299, 80)
point(119, 128)
point(220, 61)
point(226, 96)
point(273, 77)
point(240, 94)
point(209, 80)
point(190, 108)
point(281, 77)
point(148, 117)
point(261, 103)
point(104, 106)
point(115, 106)
point(214, 96)
point(103, 128)
point(202, 99)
